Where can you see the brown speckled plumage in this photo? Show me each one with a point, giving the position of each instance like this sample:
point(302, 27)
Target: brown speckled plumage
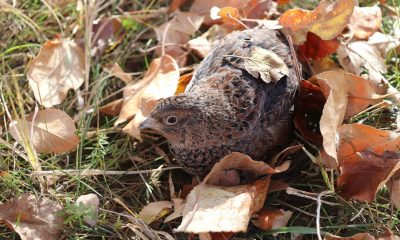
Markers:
point(225, 109)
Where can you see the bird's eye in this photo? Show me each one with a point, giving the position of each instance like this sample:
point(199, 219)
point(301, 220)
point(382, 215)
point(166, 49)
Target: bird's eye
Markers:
point(171, 120)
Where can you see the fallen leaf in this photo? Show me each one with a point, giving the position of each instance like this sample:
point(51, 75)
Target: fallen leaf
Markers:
point(384, 43)
point(175, 5)
point(113, 108)
point(179, 203)
point(228, 15)
point(365, 21)
point(90, 201)
point(183, 81)
point(32, 217)
point(388, 235)
point(116, 71)
point(269, 219)
point(357, 55)
point(222, 209)
point(106, 32)
point(347, 94)
point(316, 48)
point(211, 208)
point(358, 236)
point(155, 210)
point(59, 66)
point(327, 21)
point(177, 32)
point(394, 189)
point(308, 111)
point(203, 7)
point(367, 158)
point(323, 65)
point(262, 63)
point(49, 131)
point(200, 45)
point(160, 81)
point(281, 2)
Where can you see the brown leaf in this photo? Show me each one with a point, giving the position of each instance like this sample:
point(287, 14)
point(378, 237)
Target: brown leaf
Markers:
point(358, 236)
point(269, 219)
point(59, 66)
point(32, 217)
point(49, 131)
point(365, 21)
point(106, 32)
point(357, 55)
point(113, 108)
point(203, 7)
point(175, 5)
point(200, 45)
point(323, 65)
point(183, 81)
point(155, 210)
point(384, 43)
point(367, 158)
point(394, 189)
point(308, 111)
point(327, 21)
point(116, 71)
point(347, 95)
point(160, 81)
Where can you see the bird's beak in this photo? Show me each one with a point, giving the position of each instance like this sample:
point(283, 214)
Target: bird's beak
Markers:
point(149, 123)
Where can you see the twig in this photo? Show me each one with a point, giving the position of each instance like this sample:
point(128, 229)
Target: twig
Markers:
point(303, 194)
point(294, 56)
point(319, 203)
point(95, 172)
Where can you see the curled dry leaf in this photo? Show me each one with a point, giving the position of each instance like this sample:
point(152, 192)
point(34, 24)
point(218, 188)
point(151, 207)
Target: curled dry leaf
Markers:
point(179, 31)
point(308, 111)
point(59, 66)
point(91, 202)
point(327, 21)
point(160, 81)
point(269, 219)
point(32, 217)
point(155, 210)
point(116, 71)
point(316, 48)
point(368, 158)
point(347, 94)
point(211, 208)
point(365, 21)
point(358, 236)
point(106, 32)
point(49, 131)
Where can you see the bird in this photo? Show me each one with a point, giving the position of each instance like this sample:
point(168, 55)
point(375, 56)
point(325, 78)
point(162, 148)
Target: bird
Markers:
point(227, 108)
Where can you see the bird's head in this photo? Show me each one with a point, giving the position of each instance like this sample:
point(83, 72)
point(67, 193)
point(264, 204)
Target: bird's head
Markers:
point(177, 118)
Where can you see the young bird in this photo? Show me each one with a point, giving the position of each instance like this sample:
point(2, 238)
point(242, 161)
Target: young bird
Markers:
point(226, 108)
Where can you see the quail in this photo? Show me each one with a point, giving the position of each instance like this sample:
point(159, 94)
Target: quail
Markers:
point(225, 108)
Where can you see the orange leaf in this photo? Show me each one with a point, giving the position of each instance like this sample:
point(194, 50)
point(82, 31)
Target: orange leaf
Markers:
point(183, 81)
point(281, 2)
point(269, 219)
point(227, 13)
point(327, 21)
point(316, 48)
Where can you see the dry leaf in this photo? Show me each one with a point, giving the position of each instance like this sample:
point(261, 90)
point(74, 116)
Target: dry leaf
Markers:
point(316, 48)
point(183, 81)
point(323, 65)
point(49, 131)
point(308, 111)
point(175, 5)
point(394, 189)
point(210, 208)
point(360, 54)
point(113, 108)
point(384, 43)
point(155, 210)
point(179, 31)
point(32, 217)
point(218, 209)
point(203, 7)
point(269, 219)
point(365, 21)
point(160, 81)
point(327, 21)
point(367, 158)
point(116, 71)
point(347, 95)
point(59, 66)
point(200, 45)
point(90, 201)
point(358, 236)
point(106, 32)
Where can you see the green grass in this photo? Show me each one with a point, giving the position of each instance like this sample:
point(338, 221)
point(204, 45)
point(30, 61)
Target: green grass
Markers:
point(103, 146)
